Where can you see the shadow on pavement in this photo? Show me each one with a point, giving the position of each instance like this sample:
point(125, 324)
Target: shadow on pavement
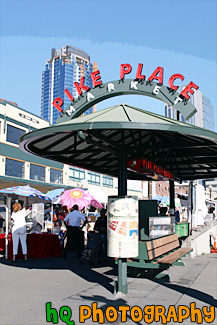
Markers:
point(165, 281)
point(102, 275)
point(194, 293)
point(72, 263)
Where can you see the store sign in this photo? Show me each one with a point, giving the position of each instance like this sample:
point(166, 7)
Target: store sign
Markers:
point(122, 227)
point(144, 166)
point(38, 213)
point(152, 87)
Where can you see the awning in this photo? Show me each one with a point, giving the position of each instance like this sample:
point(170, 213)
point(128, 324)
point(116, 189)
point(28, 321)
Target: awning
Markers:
point(7, 181)
point(95, 142)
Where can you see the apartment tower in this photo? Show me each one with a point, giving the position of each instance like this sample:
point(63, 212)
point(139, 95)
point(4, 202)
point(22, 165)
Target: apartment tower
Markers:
point(66, 65)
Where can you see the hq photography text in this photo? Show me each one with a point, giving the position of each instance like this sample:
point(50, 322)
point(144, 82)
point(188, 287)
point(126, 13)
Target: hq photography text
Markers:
point(148, 314)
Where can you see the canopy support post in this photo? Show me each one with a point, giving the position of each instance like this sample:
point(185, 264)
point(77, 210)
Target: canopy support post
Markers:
point(191, 205)
point(172, 198)
point(150, 190)
point(122, 191)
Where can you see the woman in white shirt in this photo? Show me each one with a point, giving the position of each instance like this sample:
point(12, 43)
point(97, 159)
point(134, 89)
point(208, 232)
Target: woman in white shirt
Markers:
point(19, 230)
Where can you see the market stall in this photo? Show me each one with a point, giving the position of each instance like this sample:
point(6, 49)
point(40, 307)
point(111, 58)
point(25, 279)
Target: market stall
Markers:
point(28, 195)
point(38, 246)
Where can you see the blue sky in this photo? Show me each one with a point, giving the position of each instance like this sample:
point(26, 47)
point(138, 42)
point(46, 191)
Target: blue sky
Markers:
point(180, 36)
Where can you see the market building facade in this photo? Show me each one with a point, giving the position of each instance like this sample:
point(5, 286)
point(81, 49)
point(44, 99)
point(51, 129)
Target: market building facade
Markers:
point(19, 168)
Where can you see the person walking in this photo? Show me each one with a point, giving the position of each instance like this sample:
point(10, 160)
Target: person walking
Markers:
point(101, 228)
point(177, 216)
point(19, 230)
point(75, 238)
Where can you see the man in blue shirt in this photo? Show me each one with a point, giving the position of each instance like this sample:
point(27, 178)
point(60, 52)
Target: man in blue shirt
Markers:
point(75, 237)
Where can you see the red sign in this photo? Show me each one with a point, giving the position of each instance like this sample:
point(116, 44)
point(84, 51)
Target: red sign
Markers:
point(143, 165)
point(125, 69)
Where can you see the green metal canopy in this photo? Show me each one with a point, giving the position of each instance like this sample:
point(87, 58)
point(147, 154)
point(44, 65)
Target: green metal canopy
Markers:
point(94, 142)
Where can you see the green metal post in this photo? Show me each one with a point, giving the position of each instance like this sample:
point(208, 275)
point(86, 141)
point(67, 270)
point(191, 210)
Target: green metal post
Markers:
point(122, 174)
point(172, 198)
point(122, 275)
point(191, 197)
point(122, 191)
point(149, 190)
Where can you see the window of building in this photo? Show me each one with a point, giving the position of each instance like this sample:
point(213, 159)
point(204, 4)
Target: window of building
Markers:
point(76, 174)
point(107, 181)
point(3, 199)
point(56, 176)
point(14, 168)
point(93, 178)
point(37, 172)
point(13, 134)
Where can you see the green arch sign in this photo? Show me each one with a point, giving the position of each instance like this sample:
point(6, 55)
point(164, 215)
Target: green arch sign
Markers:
point(127, 87)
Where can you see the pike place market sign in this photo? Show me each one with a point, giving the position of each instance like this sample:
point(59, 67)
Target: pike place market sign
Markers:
point(152, 86)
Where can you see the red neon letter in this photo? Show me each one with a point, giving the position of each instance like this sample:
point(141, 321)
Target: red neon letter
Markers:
point(139, 71)
point(125, 69)
point(81, 86)
point(57, 103)
point(95, 76)
point(172, 78)
point(188, 88)
point(154, 75)
point(68, 94)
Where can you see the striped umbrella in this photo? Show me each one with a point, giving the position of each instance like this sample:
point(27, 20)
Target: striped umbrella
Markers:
point(25, 191)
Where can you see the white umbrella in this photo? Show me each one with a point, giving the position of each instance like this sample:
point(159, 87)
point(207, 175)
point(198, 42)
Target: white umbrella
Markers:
point(99, 194)
point(55, 193)
point(57, 200)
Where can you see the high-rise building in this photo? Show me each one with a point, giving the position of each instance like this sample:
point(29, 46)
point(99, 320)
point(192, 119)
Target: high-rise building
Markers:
point(204, 116)
point(66, 65)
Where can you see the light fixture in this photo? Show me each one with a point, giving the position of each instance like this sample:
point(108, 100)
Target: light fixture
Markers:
point(81, 135)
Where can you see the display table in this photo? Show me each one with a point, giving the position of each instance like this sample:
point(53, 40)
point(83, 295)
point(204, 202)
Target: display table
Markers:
point(38, 246)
